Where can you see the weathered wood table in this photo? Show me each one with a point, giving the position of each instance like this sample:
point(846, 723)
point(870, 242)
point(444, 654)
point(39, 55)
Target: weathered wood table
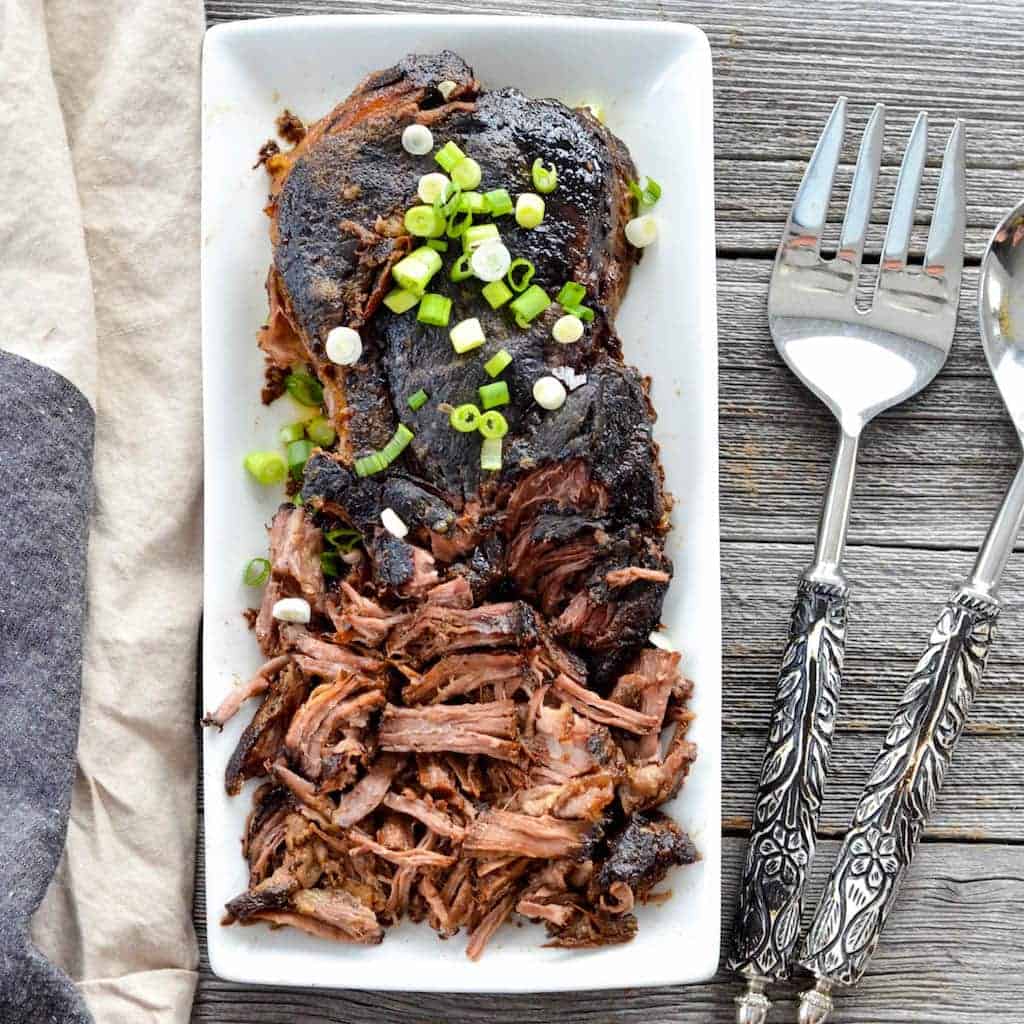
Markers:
point(931, 475)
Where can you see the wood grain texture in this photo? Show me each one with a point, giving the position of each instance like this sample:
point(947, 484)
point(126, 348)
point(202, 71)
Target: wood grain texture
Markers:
point(931, 474)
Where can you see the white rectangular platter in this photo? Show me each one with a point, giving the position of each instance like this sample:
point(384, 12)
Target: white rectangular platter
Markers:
point(653, 81)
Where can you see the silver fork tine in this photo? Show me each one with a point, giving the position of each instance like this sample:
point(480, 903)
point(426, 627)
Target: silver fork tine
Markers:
point(901, 218)
point(810, 208)
point(944, 256)
point(862, 191)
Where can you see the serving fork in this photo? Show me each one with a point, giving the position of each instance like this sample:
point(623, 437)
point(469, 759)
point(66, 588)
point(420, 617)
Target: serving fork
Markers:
point(859, 363)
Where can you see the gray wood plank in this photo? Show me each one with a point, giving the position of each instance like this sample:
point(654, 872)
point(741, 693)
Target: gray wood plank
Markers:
point(950, 954)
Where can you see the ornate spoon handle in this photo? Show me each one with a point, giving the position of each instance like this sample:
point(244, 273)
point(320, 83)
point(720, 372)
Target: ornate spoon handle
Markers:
point(898, 798)
point(789, 796)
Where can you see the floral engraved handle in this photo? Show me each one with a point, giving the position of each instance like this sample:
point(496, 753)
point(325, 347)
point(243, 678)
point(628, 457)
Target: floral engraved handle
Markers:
point(792, 784)
point(901, 792)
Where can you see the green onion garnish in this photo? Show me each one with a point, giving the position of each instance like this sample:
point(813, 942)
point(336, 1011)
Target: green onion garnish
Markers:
point(490, 454)
point(398, 300)
point(465, 418)
point(450, 202)
point(424, 222)
point(466, 174)
point(298, 455)
point(330, 564)
point(497, 293)
point(267, 467)
point(529, 210)
point(494, 394)
point(571, 294)
point(498, 361)
point(459, 223)
point(415, 271)
point(437, 244)
point(467, 335)
point(545, 178)
point(475, 202)
point(499, 202)
point(434, 310)
point(461, 269)
point(530, 305)
point(256, 572)
point(449, 155)
point(647, 192)
point(378, 461)
point(493, 424)
point(343, 538)
point(321, 431)
point(520, 274)
point(292, 432)
point(478, 234)
point(583, 312)
point(306, 390)
point(417, 400)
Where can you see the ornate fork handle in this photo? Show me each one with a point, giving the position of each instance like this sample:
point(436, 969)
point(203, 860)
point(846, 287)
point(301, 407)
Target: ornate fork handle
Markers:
point(792, 782)
point(898, 798)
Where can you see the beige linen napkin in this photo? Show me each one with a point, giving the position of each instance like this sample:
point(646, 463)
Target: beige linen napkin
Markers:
point(99, 101)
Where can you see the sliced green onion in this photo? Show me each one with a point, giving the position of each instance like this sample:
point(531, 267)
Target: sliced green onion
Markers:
point(435, 310)
point(571, 294)
point(424, 222)
point(459, 223)
point(465, 418)
point(256, 572)
point(321, 432)
point(478, 234)
point(499, 202)
point(449, 155)
point(475, 202)
point(417, 400)
point(490, 261)
point(432, 187)
point(646, 192)
point(297, 499)
point(370, 464)
point(497, 293)
point(520, 274)
point(466, 173)
point(545, 177)
point(461, 269)
point(583, 312)
point(493, 424)
point(437, 244)
point(528, 306)
point(330, 563)
point(529, 210)
point(549, 393)
point(494, 394)
point(298, 455)
point(343, 538)
point(467, 335)
point(267, 467)
point(398, 300)
point(306, 390)
point(415, 271)
point(417, 139)
point(567, 330)
point(641, 231)
point(497, 363)
point(490, 454)
point(450, 202)
point(378, 461)
point(292, 432)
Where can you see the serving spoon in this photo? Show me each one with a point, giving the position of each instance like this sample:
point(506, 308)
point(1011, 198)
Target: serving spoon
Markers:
point(916, 753)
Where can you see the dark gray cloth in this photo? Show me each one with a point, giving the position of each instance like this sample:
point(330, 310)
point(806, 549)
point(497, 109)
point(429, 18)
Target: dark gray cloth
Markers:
point(46, 445)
